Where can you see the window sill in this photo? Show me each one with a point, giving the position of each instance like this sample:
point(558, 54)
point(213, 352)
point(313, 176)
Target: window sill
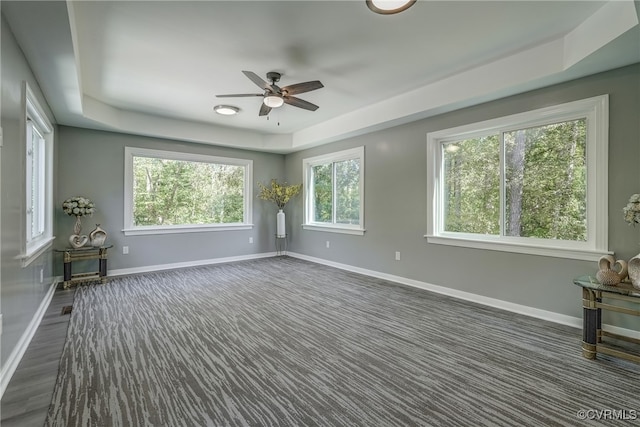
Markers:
point(30, 256)
point(550, 251)
point(334, 229)
point(139, 231)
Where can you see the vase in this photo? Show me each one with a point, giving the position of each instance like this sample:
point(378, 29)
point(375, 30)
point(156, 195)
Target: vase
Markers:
point(76, 240)
point(97, 237)
point(633, 267)
point(77, 227)
point(280, 225)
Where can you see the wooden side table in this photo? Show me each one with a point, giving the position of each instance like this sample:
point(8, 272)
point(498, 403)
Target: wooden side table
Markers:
point(70, 255)
point(593, 294)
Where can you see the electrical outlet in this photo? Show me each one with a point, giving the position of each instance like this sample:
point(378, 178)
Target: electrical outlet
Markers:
point(250, 239)
point(397, 255)
point(125, 250)
point(328, 244)
point(41, 275)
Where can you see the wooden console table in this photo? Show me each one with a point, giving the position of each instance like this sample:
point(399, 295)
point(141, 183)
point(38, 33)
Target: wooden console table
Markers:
point(593, 294)
point(70, 255)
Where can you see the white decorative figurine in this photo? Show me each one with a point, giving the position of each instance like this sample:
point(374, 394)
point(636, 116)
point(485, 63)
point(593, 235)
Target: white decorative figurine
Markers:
point(608, 274)
point(634, 271)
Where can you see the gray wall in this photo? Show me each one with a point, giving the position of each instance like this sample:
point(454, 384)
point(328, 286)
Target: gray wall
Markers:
point(21, 291)
point(395, 203)
point(91, 164)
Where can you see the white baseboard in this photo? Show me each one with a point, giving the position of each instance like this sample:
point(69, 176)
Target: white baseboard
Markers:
point(186, 264)
point(10, 366)
point(551, 316)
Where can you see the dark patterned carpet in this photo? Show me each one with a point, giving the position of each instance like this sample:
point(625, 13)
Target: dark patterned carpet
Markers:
point(285, 342)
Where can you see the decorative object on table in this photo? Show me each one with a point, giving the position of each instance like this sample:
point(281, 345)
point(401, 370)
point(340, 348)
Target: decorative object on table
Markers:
point(632, 210)
point(97, 237)
point(632, 216)
point(634, 271)
point(78, 206)
point(608, 274)
point(280, 194)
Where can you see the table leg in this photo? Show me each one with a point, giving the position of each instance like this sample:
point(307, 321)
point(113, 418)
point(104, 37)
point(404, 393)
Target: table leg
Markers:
point(598, 317)
point(67, 270)
point(591, 323)
point(103, 265)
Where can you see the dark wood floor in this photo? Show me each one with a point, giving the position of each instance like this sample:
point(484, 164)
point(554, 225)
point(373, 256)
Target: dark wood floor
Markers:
point(26, 400)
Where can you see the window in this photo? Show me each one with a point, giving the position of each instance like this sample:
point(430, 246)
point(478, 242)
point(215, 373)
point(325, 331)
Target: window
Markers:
point(334, 192)
point(534, 182)
point(171, 192)
point(36, 170)
point(38, 137)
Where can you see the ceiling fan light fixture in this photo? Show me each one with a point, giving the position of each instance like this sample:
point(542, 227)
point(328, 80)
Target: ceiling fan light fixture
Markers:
point(226, 110)
point(274, 96)
point(389, 7)
point(273, 101)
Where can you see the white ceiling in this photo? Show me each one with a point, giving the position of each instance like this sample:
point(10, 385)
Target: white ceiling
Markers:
point(154, 68)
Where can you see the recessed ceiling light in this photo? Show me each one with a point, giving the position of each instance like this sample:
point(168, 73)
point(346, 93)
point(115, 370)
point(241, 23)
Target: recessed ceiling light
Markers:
point(389, 7)
point(226, 110)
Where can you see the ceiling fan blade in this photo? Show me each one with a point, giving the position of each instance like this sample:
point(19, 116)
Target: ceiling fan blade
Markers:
point(239, 95)
point(302, 87)
point(261, 83)
point(264, 110)
point(297, 102)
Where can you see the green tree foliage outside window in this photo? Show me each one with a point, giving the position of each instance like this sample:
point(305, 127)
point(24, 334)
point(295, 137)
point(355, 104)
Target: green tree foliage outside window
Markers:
point(323, 192)
point(343, 199)
point(544, 183)
point(348, 191)
point(176, 192)
point(472, 185)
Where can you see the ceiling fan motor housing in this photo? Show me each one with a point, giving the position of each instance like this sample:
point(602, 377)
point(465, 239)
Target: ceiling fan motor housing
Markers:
point(274, 76)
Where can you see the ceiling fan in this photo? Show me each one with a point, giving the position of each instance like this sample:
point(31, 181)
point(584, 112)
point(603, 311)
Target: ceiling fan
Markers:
point(274, 96)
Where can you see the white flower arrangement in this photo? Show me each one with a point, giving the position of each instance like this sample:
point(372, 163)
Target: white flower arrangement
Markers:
point(632, 210)
point(78, 206)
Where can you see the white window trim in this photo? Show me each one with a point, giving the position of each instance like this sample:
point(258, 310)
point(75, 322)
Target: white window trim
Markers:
point(307, 165)
point(131, 230)
point(596, 110)
point(32, 111)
